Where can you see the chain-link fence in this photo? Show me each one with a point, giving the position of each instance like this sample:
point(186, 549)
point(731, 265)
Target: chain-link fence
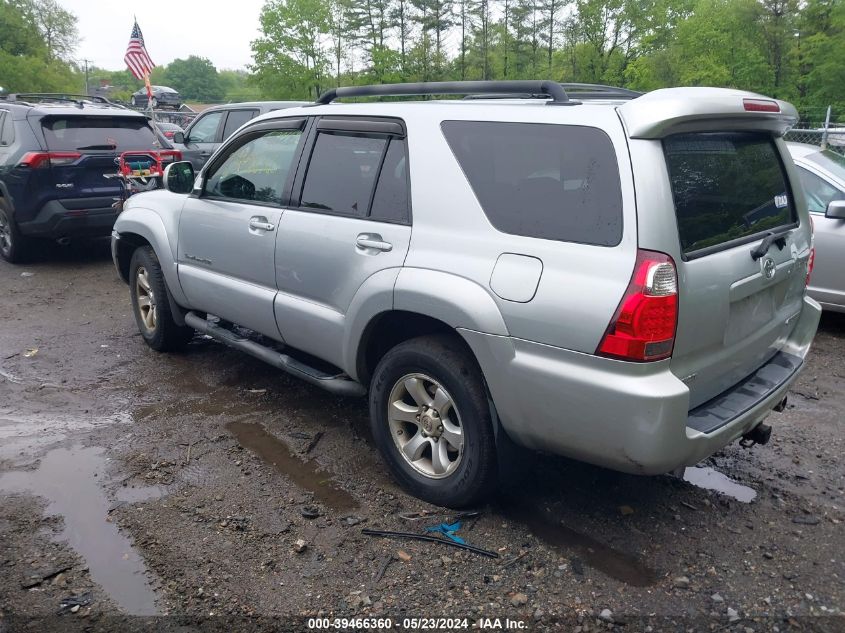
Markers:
point(815, 134)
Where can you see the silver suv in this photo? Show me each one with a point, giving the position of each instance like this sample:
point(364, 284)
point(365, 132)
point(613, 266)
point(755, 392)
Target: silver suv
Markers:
point(616, 278)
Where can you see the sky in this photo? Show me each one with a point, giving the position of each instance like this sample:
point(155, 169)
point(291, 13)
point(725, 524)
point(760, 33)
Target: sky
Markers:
point(218, 30)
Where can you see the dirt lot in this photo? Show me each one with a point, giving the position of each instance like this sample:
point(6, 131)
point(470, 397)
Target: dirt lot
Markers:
point(134, 484)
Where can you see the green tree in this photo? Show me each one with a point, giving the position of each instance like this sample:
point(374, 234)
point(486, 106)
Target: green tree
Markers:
point(34, 37)
point(289, 60)
point(195, 78)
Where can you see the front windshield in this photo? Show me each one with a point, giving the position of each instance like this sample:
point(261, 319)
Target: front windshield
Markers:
point(830, 161)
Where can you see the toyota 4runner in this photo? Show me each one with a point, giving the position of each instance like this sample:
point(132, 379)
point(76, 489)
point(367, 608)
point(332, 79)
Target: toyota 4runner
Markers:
point(586, 271)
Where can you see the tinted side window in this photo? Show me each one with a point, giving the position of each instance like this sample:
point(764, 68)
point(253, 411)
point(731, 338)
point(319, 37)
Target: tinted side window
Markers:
point(557, 182)
point(391, 202)
point(257, 170)
point(818, 191)
point(236, 119)
point(726, 186)
point(341, 172)
point(205, 129)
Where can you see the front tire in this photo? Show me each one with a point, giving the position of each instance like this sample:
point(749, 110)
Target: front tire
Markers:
point(431, 420)
point(150, 304)
point(14, 247)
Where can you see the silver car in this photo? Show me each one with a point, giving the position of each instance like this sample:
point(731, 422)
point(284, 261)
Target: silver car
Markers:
point(619, 280)
point(822, 174)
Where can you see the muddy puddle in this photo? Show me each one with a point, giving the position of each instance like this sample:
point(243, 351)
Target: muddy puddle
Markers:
point(710, 479)
point(68, 478)
point(305, 474)
point(21, 434)
point(566, 541)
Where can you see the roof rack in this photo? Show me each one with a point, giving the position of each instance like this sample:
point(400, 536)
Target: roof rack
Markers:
point(543, 88)
point(59, 97)
point(579, 92)
point(600, 91)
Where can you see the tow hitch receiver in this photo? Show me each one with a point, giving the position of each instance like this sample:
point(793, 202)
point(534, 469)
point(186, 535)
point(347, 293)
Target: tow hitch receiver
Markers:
point(760, 434)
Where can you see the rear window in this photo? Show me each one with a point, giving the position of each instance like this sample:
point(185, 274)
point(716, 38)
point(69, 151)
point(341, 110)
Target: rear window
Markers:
point(727, 186)
point(556, 182)
point(98, 133)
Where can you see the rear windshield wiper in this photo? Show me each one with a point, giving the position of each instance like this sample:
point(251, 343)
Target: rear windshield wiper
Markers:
point(763, 247)
point(98, 147)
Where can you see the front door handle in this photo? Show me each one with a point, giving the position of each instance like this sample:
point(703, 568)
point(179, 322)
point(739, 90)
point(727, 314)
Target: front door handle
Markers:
point(260, 223)
point(373, 241)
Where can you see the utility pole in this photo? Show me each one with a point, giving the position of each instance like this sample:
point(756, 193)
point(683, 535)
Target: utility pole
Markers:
point(85, 61)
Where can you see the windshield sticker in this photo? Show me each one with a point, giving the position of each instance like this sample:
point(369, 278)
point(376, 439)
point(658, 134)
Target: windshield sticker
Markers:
point(781, 201)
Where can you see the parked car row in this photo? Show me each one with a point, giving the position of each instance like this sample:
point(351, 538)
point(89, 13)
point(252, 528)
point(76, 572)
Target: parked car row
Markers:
point(616, 278)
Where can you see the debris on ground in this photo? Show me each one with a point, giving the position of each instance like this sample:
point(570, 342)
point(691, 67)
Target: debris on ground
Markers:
point(32, 351)
point(448, 530)
point(626, 510)
point(431, 539)
point(309, 512)
point(73, 603)
point(299, 545)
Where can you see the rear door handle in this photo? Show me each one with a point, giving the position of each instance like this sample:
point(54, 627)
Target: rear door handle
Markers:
point(260, 223)
point(373, 241)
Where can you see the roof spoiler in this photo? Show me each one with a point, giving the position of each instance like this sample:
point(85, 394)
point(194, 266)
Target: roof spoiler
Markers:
point(676, 110)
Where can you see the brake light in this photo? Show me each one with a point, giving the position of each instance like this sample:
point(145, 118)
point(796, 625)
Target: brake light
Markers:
point(760, 105)
point(170, 156)
point(34, 160)
point(643, 327)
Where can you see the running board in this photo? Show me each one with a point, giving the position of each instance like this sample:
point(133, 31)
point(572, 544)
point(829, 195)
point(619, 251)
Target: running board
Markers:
point(339, 384)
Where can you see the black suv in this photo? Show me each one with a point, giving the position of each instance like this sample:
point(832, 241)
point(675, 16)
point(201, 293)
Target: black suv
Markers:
point(55, 154)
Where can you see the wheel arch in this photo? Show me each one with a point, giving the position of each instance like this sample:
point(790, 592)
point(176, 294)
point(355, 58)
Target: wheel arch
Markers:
point(145, 227)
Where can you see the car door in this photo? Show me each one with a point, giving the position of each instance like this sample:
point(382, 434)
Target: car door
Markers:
point(349, 220)
point(827, 283)
point(227, 229)
point(203, 137)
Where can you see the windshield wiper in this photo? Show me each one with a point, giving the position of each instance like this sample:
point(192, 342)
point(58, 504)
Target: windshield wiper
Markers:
point(763, 247)
point(98, 147)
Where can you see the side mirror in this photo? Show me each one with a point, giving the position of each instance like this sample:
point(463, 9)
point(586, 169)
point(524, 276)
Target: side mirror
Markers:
point(179, 177)
point(835, 210)
point(179, 137)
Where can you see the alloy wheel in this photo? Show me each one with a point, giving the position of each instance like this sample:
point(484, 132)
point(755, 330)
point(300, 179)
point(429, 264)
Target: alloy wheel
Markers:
point(5, 234)
point(146, 299)
point(425, 425)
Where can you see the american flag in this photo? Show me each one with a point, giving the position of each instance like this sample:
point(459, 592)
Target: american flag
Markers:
point(136, 57)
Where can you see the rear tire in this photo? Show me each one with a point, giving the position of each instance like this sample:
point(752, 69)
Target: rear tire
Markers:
point(14, 247)
point(150, 304)
point(133, 101)
point(431, 420)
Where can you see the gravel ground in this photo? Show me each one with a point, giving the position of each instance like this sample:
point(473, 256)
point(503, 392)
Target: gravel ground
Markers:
point(211, 489)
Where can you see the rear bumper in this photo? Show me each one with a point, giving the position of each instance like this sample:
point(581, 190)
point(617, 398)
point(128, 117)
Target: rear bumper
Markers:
point(91, 217)
point(632, 417)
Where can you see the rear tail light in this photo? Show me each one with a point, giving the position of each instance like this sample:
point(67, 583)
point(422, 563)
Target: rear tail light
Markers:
point(35, 160)
point(643, 327)
point(170, 156)
point(760, 105)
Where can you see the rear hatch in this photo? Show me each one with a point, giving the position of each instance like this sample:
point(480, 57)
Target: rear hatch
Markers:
point(729, 180)
point(732, 193)
point(84, 152)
